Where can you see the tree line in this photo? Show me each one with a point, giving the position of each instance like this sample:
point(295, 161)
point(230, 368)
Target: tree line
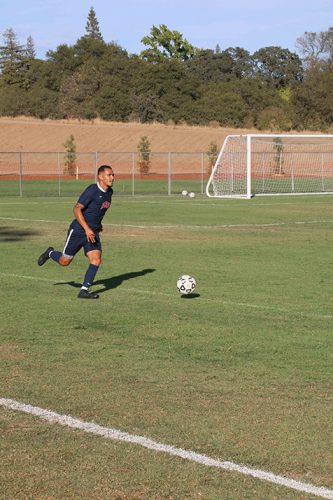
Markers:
point(171, 81)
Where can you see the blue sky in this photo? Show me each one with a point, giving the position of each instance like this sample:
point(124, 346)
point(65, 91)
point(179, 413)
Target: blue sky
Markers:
point(250, 24)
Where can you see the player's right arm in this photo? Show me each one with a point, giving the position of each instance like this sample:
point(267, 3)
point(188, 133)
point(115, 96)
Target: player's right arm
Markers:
point(81, 220)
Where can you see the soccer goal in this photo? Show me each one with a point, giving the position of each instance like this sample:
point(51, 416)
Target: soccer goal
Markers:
point(272, 164)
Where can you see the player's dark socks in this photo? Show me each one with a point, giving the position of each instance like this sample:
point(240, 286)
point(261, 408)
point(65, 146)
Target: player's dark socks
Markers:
point(55, 255)
point(90, 275)
point(44, 256)
point(85, 294)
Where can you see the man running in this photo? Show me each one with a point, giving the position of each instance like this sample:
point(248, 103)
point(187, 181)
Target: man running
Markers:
point(84, 230)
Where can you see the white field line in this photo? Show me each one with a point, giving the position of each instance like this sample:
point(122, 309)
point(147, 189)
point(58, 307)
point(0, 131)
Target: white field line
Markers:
point(25, 202)
point(33, 220)
point(202, 299)
point(186, 226)
point(37, 278)
point(118, 435)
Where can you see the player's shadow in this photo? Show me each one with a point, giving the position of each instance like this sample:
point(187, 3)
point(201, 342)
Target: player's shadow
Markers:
point(111, 283)
point(13, 234)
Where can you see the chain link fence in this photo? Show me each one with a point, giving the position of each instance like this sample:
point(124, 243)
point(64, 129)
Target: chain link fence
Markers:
point(59, 174)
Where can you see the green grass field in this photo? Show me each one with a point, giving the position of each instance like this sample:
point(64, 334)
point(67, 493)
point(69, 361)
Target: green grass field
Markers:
point(67, 188)
point(241, 371)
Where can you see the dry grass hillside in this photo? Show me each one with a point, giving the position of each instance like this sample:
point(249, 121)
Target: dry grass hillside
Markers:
point(28, 134)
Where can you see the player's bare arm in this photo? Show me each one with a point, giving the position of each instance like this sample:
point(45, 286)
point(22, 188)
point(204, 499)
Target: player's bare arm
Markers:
point(81, 220)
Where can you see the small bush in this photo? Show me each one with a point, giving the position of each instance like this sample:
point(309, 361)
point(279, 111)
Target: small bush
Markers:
point(70, 157)
point(144, 155)
point(212, 154)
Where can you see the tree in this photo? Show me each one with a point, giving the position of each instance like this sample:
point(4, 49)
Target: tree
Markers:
point(220, 103)
point(278, 66)
point(113, 103)
point(70, 157)
point(59, 66)
point(165, 43)
point(41, 102)
point(77, 92)
point(92, 43)
point(242, 62)
point(30, 49)
point(12, 100)
point(12, 58)
point(212, 154)
point(278, 158)
point(144, 154)
point(92, 26)
point(313, 102)
point(211, 66)
point(222, 66)
point(172, 89)
point(146, 107)
point(275, 119)
point(316, 49)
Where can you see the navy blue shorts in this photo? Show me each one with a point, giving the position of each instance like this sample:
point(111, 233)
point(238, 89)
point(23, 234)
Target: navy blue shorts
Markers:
point(77, 240)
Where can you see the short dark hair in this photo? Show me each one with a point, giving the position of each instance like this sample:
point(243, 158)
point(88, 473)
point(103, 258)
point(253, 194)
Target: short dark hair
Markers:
point(102, 168)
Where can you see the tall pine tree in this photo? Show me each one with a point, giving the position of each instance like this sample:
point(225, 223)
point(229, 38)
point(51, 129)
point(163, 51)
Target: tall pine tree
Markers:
point(12, 58)
point(30, 49)
point(92, 26)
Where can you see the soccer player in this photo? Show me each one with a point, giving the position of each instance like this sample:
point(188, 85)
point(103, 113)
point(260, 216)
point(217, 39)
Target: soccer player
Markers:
point(84, 230)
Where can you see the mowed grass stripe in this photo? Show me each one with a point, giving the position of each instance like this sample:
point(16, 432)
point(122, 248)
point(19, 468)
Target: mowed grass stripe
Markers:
point(183, 226)
point(202, 299)
point(118, 435)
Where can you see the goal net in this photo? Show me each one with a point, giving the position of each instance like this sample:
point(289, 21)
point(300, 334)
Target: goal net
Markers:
point(269, 164)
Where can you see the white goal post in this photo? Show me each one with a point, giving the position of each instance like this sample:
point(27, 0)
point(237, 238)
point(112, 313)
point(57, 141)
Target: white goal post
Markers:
point(272, 164)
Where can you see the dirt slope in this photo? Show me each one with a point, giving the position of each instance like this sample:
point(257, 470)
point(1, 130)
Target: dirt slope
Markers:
point(28, 134)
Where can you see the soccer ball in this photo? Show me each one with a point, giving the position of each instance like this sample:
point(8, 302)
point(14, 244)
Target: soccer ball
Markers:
point(186, 284)
point(184, 193)
point(191, 195)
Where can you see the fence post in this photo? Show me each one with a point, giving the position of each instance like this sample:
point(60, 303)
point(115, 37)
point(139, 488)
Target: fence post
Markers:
point(169, 173)
point(96, 163)
point(133, 173)
point(59, 175)
point(292, 179)
point(202, 173)
point(21, 173)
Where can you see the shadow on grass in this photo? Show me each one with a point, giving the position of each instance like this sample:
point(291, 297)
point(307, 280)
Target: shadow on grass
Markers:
point(190, 296)
point(14, 234)
point(111, 283)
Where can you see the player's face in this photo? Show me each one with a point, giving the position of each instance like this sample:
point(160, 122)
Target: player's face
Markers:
point(106, 178)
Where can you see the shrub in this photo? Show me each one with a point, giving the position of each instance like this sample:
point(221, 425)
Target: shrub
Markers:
point(212, 154)
point(144, 155)
point(70, 157)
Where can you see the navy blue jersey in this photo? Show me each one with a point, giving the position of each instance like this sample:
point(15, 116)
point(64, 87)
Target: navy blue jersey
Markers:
point(95, 202)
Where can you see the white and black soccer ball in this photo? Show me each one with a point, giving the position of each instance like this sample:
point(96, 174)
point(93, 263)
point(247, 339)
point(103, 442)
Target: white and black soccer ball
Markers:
point(186, 284)
point(184, 192)
point(191, 194)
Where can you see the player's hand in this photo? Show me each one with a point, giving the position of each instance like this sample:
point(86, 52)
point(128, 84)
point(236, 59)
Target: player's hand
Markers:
point(90, 236)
